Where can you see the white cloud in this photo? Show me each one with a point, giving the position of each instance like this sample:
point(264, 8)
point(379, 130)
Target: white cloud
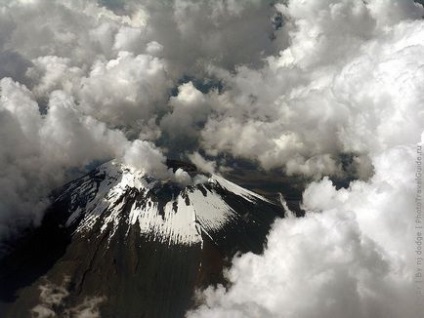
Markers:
point(90, 83)
point(202, 164)
point(182, 177)
point(89, 308)
point(53, 303)
point(350, 82)
point(345, 85)
point(352, 255)
point(37, 150)
point(125, 89)
point(189, 112)
point(146, 158)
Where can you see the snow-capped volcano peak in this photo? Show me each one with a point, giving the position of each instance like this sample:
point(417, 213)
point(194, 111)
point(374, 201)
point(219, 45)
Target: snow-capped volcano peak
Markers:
point(116, 195)
point(149, 237)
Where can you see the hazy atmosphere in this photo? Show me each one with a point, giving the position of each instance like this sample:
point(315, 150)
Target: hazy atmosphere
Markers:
point(317, 90)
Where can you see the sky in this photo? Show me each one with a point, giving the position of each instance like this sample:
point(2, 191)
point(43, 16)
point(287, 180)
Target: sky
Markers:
point(294, 87)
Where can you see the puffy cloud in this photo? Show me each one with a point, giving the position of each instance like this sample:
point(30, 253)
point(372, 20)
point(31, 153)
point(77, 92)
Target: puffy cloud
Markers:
point(349, 83)
point(126, 89)
point(196, 34)
point(128, 39)
point(202, 164)
point(182, 177)
point(90, 83)
point(13, 65)
point(50, 73)
point(344, 85)
point(53, 303)
point(189, 113)
point(297, 86)
point(19, 153)
point(143, 156)
point(352, 255)
point(391, 12)
point(38, 150)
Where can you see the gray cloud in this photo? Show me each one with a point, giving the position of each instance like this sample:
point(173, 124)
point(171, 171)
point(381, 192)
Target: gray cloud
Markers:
point(351, 256)
point(301, 84)
point(349, 82)
point(344, 84)
point(53, 303)
point(87, 81)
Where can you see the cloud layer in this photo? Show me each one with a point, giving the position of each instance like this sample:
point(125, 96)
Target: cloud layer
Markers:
point(348, 83)
point(88, 81)
point(317, 88)
point(351, 256)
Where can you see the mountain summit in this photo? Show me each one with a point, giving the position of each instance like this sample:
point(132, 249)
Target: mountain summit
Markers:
point(122, 244)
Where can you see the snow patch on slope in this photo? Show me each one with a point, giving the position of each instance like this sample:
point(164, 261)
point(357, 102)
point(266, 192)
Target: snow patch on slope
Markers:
point(177, 225)
point(211, 211)
point(117, 194)
point(236, 189)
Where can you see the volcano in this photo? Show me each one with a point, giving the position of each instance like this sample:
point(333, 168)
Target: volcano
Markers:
point(119, 243)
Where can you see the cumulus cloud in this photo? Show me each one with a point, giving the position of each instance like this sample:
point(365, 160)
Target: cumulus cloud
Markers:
point(146, 158)
point(182, 177)
point(84, 81)
point(203, 164)
point(126, 89)
point(349, 78)
point(352, 255)
point(188, 114)
point(349, 83)
point(322, 88)
point(53, 303)
point(39, 150)
point(197, 34)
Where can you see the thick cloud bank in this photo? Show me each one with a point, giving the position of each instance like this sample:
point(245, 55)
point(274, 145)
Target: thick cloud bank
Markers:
point(85, 81)
point(313, 88)
point(348, 83)
point(353, 255)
